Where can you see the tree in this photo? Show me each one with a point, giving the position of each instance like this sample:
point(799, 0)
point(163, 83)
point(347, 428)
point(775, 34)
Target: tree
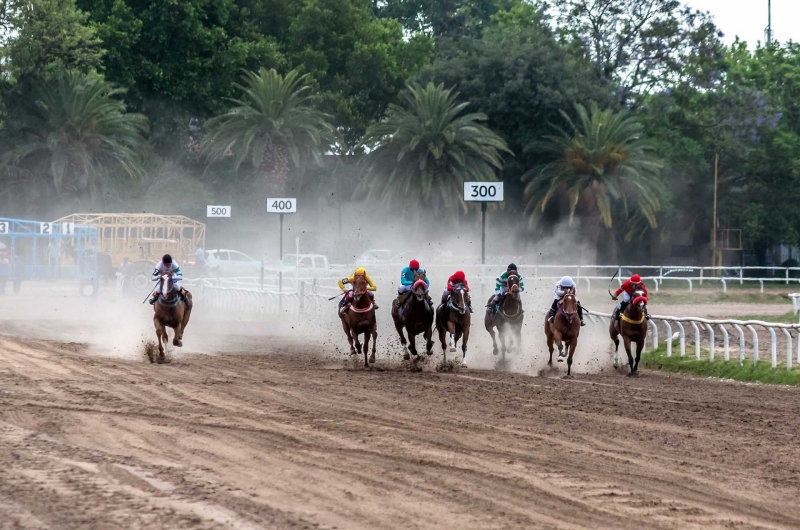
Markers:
point(42, 34)
point(443, 17)
point(74, 132)
point(639, 44)
point(421, 155)
point(274, 126)
point(602, 164)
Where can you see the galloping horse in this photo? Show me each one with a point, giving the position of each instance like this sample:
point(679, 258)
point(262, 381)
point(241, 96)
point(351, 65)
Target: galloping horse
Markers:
point(564, 330)
point(360, 318)
point(170, 311)
point(415, 315)
point(508, 318)
point(454, 318)
point(632, 325)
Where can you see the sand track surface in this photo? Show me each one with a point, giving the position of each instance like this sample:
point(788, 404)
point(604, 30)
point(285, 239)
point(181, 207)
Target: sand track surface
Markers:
point(283, 439)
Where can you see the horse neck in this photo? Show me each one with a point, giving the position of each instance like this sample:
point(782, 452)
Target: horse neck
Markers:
point(510, 302)
point(363, 301)
point(168, 287)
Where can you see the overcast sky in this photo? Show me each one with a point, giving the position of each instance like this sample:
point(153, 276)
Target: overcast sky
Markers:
point(748, 18)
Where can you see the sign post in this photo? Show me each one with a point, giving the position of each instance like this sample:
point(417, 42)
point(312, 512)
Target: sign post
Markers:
point(483, 192)
point(281, 205)
point(219, 212)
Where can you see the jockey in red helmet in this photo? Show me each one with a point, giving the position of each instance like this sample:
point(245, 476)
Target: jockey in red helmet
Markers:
point(407, 276)
point(628, 291)
point(458, 278)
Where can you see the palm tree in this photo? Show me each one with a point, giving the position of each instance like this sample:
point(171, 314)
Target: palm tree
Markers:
point(274, 125)
point(74, 132)
point(600, 166)
point(422, 154)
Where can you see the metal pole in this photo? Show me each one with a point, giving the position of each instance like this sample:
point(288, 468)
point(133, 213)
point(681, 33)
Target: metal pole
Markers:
point(483, 233)
point(280, 269)
point(714, 220)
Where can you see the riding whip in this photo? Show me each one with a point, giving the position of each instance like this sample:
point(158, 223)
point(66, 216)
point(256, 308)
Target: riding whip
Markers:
point(610, 281)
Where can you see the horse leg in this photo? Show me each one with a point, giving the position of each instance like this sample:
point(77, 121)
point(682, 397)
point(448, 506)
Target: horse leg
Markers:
point(176, 340)
point(615, 338)
point(493, 333)
point(374, 332)
point(412, 341)
point(627, 342)
point(639, 348)
point(451, 329)
point(571, 351)
point(399, 327)
point(366, 347)
point(347, 332)
point(550, 347)
point(157, 325)
point(464, 341)
point(355, 339)
point(428, 336)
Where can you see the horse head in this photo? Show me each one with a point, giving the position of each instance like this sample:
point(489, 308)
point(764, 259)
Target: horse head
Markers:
point(420, 286)
point(166, 284)
point(513, 285)
point(639, 300)
point(459, 299)
point(359, 287)
point(569, 306)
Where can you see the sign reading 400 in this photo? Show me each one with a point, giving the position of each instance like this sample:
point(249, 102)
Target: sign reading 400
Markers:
point(483, 191)
point(281, 205)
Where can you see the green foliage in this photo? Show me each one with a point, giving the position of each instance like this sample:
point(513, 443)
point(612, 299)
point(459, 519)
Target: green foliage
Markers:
point(421, 154)
point(275, 123)
point(47, 34)
point(761, 372)
point(73, 130)
point(604, 162)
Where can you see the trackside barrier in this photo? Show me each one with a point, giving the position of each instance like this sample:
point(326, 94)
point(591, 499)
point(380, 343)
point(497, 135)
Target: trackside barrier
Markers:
point(700, 325)
point(259, 302)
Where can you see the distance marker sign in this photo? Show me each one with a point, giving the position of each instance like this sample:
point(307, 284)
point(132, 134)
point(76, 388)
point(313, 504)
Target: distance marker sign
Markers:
point(218, 211)
point(483, 191)
point(281, 205)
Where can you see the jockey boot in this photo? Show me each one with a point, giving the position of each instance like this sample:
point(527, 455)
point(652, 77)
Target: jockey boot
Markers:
point(445, 298)
point(343, 305)
point(182, 294)
point(646, 313)
point(551, 315)
point(372, 298)
point(621, 309)
point(469, 306)
point(153, 300)
point(580, 314)
point(429, 300)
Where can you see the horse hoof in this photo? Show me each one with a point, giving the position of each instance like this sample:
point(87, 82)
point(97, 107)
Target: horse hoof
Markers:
point(452, 349)
point(429, 353)
point(633, 374)
point(162, 359)
point(372, 359)
point(464, 364)
point(406, 357)
point(178, 343)
point(567, 377)
point(352, 352)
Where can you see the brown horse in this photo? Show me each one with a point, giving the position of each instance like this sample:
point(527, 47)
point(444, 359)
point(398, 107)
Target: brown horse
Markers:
point(360, 319)
point(454, 318)
point(508, 318)
point(170, 311)
point(564, 330)
point(632, 325)
point(415, 315)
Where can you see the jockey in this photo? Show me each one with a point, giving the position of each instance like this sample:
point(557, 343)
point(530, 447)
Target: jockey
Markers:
point(458, 278)
point(407, 279)
point(628, 291)
point(348, 296)
point(565, 285)
point(501, 285)
point(164, 266)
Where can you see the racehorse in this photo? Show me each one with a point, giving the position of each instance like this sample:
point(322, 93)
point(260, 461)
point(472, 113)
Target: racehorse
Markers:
point(415, 315)
point(632, 325)
point(454, 318)
point(564, 330)
point(509, 317)
point(360, 319)
point(170, 311)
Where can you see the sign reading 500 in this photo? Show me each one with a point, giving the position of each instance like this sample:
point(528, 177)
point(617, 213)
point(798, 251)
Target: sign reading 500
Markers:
point(483, 191)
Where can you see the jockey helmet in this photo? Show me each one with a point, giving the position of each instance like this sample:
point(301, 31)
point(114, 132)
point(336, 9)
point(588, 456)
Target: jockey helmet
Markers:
point(566, 281)
point(413, 264)
point(636, 278)
point(167, 259)
point(460, 276)
point(512, 267)
point(361, 271)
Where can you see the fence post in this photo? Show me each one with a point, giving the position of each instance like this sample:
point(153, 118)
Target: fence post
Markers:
point(683, 338)
point(696, 339)
point(660, 276)
point(711, 341)
point(741, 342)
point(755, 344)
point(774, 346)
point(787, 276)
point(669, 338)
point(789, 349)
point(262, 274)
point(302, 296)
point(655, 335)
point(741, 276)
point(701, 275)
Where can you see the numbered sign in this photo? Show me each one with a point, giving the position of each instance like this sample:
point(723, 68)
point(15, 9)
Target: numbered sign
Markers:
point(281, 205)
point(68, 229)
point(483, 191)
point(218, 211)
point(46, 228)
point(4, 227)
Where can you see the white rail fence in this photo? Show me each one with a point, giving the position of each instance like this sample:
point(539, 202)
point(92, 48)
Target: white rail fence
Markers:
point(706, 327)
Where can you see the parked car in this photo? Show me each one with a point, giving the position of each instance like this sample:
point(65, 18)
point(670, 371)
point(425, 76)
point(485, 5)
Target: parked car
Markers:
point(232, 264)
point(305, 264)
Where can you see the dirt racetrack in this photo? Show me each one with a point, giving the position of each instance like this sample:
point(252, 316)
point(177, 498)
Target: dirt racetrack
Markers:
point(286, 440)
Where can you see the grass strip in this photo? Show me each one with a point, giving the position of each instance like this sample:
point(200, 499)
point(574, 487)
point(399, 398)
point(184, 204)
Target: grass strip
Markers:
point(762, 372)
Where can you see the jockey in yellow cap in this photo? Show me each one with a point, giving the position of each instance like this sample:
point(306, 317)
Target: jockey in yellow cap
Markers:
point(347, 298)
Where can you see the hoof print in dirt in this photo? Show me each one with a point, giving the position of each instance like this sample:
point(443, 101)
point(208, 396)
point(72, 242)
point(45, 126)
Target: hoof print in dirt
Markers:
point(451, 365)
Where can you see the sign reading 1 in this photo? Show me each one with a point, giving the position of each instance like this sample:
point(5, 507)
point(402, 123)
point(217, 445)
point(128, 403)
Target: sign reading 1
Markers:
point(483, 191)
point(218, 211)
point(281, 205)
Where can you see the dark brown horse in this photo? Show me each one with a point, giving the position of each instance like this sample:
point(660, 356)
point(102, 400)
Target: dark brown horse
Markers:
point(415, 315)
point(360, 318)
point(564, 330)
point(508, 319)
point(453, 317)
point(632, 325)
point(170, 311)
